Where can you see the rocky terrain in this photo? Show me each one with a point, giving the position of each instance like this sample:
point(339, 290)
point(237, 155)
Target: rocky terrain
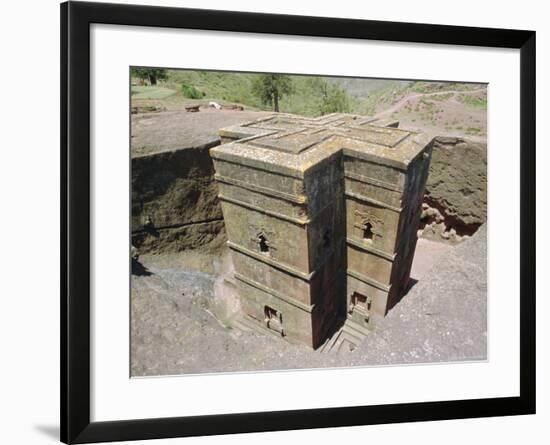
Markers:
point(183, 318)
point(440, 109)
point(184, 307)
point(177, 129)
point(455, 201)
point(174, 195)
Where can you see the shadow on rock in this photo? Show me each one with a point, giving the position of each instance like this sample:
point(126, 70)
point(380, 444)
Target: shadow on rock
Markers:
point(139, 269)
point(410, 285)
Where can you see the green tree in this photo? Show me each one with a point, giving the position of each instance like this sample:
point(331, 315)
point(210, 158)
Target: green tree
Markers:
point(334, 99)
point(153, 75)
point(270, 88)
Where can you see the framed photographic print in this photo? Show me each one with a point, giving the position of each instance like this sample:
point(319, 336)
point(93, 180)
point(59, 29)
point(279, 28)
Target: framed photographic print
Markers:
point(279, 222)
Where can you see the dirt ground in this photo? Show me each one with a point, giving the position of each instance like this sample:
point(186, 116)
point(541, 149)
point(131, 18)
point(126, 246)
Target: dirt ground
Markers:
point(440, 113)
point(184, 307)
point(435, 113)
point(168, 130)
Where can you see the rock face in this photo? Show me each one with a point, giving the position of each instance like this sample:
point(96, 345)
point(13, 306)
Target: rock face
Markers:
point(174, 201)
point(174, 197)
point(455, 203)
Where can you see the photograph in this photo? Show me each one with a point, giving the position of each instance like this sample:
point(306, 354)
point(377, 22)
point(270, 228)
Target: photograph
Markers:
point(260, 207)
point(284, 221)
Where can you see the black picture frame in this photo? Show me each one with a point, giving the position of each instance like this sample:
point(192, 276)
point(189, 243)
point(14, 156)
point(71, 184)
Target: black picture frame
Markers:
point(76, 18)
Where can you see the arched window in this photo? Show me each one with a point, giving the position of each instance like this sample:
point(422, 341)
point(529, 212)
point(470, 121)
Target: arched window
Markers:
point(262, 241)
point(367, 232)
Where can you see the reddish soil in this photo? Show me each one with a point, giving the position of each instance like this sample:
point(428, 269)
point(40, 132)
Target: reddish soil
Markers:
point(441, 113)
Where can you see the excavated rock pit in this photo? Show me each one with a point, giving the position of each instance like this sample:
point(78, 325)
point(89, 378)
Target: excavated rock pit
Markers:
point(183, 300)
point(174, 195)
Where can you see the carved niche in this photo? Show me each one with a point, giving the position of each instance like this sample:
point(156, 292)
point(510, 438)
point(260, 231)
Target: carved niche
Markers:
point(369, 225)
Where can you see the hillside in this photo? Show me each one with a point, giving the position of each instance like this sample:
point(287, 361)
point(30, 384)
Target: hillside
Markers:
point(309, 93)
point(450, 108)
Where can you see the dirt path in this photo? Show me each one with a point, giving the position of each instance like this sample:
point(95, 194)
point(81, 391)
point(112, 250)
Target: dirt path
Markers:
point(411, 96)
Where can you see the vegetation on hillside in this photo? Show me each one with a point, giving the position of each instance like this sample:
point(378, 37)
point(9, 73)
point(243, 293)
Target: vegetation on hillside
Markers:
point(271, 88)
point(191, 92)
point(435, 87)
point(475, 101)
point(304, 95)
point(151, 75)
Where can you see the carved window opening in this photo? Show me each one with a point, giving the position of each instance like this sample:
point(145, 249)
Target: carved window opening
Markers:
point(274, 320)
point(262, 241)
point(368, 226)
point(271, 314)
point(360, 301)
point(367, 232)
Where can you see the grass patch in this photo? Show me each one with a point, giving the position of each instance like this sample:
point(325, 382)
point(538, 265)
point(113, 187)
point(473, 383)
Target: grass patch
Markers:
point(441, 97)
point(479, 102)
point(473, 130)
point(151, 92)
point(434, 87)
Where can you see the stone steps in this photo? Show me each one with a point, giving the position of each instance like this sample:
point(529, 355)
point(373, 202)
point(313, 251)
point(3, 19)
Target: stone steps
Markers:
point(330, 343)
point(350, 335)
point(355, 330)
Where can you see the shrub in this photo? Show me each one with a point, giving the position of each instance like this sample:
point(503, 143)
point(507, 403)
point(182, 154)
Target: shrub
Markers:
point(191, 92)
